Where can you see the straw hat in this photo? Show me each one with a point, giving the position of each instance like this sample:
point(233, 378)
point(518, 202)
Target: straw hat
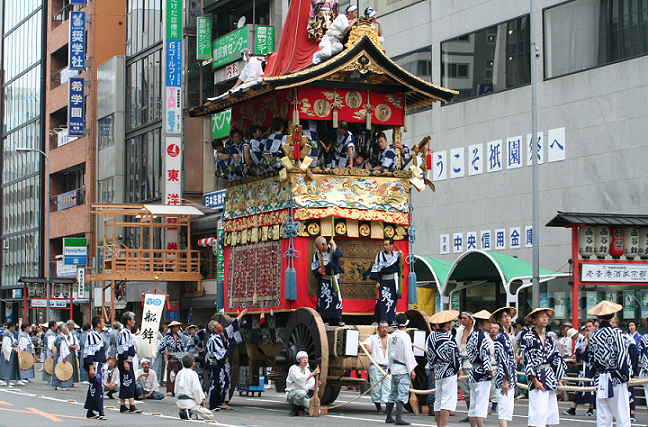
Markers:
point(26, 360)
point(63, 371)
point(444, 316)
point(530, 316)
point(49, 365)
point(174, 323)
point(191, 326)
point(604, 308)
point(495, 315)
point(482, 315)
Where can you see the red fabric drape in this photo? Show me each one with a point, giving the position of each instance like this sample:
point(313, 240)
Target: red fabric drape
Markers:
point(295, 50)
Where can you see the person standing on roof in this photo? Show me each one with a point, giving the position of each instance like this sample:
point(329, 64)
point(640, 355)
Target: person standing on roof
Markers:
point(331, 43)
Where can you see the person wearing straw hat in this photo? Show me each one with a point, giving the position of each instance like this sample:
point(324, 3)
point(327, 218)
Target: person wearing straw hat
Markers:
point(25, 345)
point(326, 268)
point(125, 355)
point(378, 345)
point(48, 345)
point(443, 358)
point(481, 372)
point(505, 378)
point(73, 357)
point(62, 347)
point(385, 272)
point(462, 334)
point(217, 354)
point(402, 363)
point(544, 367)
point(94, 356)
point(610, 361)
point(9, 358)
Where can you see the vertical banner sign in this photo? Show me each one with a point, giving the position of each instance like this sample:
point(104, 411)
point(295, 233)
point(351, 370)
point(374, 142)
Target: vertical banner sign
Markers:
point(204, 33)
point(264, 40)
point(644, 303)
point(221, 124)
point(172, 126)
point(81, 290)
point(151, 317)
point(628, 305)
point(76, 107)
point(77, 44)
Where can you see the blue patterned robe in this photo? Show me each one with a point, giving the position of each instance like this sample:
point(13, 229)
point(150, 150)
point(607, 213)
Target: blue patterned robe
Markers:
point(94, 353)
point(505, 359)
point(329, 302)
point(479, 357)
point(543, 362)
point(386, 266)
point(586, 371)
point(608, 356)
point(126, 351)
point(443, 354)
point(643, 352)
point(170, 344)
point(338, 156)
point(217, 353)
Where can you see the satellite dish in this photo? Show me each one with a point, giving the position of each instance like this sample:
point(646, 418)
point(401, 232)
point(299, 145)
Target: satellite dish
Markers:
point(240, 22)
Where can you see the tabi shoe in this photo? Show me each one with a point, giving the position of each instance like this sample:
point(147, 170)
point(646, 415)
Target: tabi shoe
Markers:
point(92, 416)
point(294, 412)
point(399, 415)
point(590, 412)
point(570, 411)
point(123, 409)
point(390, 408)
point(134, 410)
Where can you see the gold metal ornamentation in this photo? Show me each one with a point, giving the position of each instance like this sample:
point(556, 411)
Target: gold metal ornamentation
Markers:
point(322, 108)
point(353, 99)
point(363, 29)
point(365, 230)
point(383, 112)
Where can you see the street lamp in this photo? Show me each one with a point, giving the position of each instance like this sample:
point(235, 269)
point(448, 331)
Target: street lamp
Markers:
point(25, 150)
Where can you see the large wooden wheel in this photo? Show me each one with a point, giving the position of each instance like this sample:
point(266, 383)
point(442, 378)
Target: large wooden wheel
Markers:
point(305, 331)
point(225, 320)
point(419, 320)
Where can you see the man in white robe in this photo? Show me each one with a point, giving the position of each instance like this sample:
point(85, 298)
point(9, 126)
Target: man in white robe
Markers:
point(402, 363)
point(190, 397)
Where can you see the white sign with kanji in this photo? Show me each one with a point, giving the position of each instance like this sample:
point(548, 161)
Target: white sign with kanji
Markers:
point(151, 317)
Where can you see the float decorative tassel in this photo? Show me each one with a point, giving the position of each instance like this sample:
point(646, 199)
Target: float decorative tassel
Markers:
point(290, 231)
point(335, 118)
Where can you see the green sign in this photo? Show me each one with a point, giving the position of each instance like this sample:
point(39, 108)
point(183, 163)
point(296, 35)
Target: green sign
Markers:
point(204, 33)
point(221, 124)
point(263, 40)
point(228, 48)
point(174, 19)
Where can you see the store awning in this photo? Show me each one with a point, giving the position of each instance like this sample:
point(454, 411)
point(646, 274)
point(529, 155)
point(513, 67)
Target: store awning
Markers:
point(55, 280)
point(432, 270)
point(567, 219)
point(476, 265)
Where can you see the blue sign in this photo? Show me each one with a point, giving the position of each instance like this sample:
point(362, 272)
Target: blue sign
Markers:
point(215, 199)
point(69, 260)
point(77, 1)
point(76, 107)
point(173, 62)
point(66, 200)
point(77, 43)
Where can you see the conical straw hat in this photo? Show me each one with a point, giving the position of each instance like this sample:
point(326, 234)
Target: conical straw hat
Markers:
point(529, 317)
point(63, 371)
point(604, 308)
point(444, 316)
point(49, 365)
point(484, 314)
point(495, 314)
point(26, 360)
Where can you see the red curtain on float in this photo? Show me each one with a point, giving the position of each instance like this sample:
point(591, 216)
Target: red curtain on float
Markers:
point(295, 51)
point(302, 266)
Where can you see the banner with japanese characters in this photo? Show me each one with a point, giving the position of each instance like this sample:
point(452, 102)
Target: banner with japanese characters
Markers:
point(173, 68)
point(76, 107)
point(614, 273)
point(77, 44)
point(151, 316)
point(204, 34)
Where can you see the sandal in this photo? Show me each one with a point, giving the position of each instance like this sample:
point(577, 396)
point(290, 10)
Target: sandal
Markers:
point(226, 407)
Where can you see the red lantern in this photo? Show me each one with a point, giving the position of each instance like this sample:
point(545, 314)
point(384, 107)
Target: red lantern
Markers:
point(428, 158)
point(617, 243)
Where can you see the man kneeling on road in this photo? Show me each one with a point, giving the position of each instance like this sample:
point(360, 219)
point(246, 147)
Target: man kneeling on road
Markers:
point(190, 397)
point(300, 380)
point(147, 382)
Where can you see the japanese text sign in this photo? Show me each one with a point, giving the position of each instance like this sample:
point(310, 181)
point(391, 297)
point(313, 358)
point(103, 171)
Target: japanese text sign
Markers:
point(76, 107)
point(204, 33)
point(174, 20)
point(263, 40)
point(77, 44)
point(228, 48)
point(151, 316)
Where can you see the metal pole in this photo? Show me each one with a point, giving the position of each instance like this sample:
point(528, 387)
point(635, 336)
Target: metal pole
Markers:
point(534, 55)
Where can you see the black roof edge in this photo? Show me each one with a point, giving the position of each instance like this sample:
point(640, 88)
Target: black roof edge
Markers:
point(565, 219)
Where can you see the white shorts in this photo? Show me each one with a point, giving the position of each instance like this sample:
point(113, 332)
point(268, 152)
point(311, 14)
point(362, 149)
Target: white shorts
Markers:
point(505, 404)
point(543, 408)
point(479, 399)
point(446, 394)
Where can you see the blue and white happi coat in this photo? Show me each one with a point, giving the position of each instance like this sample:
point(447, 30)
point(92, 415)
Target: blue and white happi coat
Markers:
point(338, 156)
point(505, 359)
point(643, 352)
point(274, 142)
point(170, 344)
point(95, 353)
point(609, 359)
point(217, 353)
point(542, 361)
point(582, 355)
point(126, 352)
point(329, 302)
point(479, 356)
point(388, 158)
point(442, 354)
point(386, 270)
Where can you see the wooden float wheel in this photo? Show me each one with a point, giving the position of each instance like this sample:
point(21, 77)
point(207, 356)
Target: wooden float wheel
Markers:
point(419, 320)
point(305, 331)
point(226, 320)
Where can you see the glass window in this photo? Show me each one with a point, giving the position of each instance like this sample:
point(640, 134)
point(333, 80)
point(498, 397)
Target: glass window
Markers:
point(583, 34)
point(490, 60)
point(143, 167)
point(144, 80)
point(419, 63)
point(144, 25)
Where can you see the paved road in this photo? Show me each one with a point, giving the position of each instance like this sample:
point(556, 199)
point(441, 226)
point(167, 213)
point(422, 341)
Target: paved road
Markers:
point(39, 405)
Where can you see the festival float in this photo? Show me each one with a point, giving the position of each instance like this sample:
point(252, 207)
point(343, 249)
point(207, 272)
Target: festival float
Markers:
point(271, 221)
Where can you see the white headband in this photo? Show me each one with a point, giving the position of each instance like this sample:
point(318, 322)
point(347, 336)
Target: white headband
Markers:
point(301, 354)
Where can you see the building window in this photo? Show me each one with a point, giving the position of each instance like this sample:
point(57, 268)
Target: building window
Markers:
point(106, 190)
point(584, 34)
point(143, 167)
point(419, 63)
point(144, 85)
point(490, 60)
point(106, 131)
